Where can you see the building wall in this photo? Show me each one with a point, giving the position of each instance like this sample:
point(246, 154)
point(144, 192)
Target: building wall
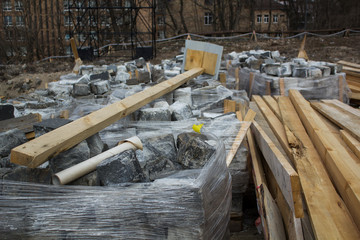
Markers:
point(281, 24)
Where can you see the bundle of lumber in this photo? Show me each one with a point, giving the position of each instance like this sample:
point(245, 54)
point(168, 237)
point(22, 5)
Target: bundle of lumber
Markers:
point(306, 167)
point(352, 71)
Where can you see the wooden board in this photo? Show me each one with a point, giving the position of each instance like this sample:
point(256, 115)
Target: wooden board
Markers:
point(340, 117)
point(285, 175)
point(351, 142)
point(39, 150)
point(273, 105)
point(354, 95)
point(194, 59)
point(209, 63)
point(24, 123)
point(343, 168)
point(282, 87)
point(293, 225)
point(74, 49)
point(349, 64)
point(342, 105)
point(274, 123)
point(272, 215)
point(237, 142)
point(341, 88)
point(326, 208)
point(222, 77)
point(229, 106)
point(237, 80)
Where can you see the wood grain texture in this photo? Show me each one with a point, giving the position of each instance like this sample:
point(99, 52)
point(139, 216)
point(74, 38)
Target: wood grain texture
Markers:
point(342, 105)
point(351, 142)
point(285, 175)
point(273, 105)
point(343, 167)
point(328, 213)
point(39, 150)
point(340, 117)
point(194, 59)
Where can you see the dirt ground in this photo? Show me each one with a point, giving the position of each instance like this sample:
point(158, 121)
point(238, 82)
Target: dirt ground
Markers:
point(16, 80)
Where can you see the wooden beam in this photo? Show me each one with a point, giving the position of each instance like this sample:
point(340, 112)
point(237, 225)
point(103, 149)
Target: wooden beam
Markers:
point(229, 106)
point(222, 76)
point(238, 140)
point(273, 105)
point(285, 175)
point(341, 88)
point(342, 105)
point(24, 123)
point(293, 225)
point(328, 213)
point(39, 150)
point(349, 64)
point(354, 95)
point(282, 86)
point(274, 123)
point(343, 168)
point(351, 142)
point(340, 117)
point(74, 49)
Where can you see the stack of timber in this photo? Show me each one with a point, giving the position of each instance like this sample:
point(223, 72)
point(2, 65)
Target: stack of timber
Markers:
point(352, 71)
point(306, 167)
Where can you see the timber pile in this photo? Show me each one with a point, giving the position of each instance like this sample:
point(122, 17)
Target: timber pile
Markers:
point(306, 167)
point(352, 71)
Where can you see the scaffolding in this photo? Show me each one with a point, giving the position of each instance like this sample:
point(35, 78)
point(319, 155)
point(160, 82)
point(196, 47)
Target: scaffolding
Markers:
point(112, 28)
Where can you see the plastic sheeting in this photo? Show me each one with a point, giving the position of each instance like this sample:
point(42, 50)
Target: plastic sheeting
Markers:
point(192, 204)
point(310, 88)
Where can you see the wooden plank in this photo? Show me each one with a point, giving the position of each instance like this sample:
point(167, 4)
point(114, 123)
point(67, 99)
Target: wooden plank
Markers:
point(353, 88)
point(293, 225)
point(274, 123)
point(251, 83)
point(209, 63)
point(355, 96)
point(340, 117)
point(194, 59)
point(351, 142)
point(74, 49)
point(222, 77)
point(282, 87)
point(355, 83)
point(328, 213)
point(348, 72)
point(268, 88)
point(273, 105)
point(229, 106)
point(341, 88)
point(351, 70)
point(343, 167)
point(349, 64)
point(24, 123)
point(237, 80)
point(239, 116)
point(285, 175)
point(342, 105)
point(39, 150)
point(237, 142)
point(272, 215)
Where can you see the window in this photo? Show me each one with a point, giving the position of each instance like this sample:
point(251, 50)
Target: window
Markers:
point(92, 3)
point(208, 18)
point(161, 34)
point(67, 5)
point(8, 35)
point(67, 21)
point(20, 21)
point(105, 20)
point(266, 18)
point(8, 21)
point(68, 50)
point(258, 18)
point(67, 36)
point(20, 36)
point(7, 6)
point(127, 3)
point(160, 20)
point(19, 6)
point(275, 19)
point(92, 21)
point(94, 35)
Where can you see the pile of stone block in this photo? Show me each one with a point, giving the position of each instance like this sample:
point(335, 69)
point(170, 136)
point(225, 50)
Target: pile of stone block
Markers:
point(275, 75)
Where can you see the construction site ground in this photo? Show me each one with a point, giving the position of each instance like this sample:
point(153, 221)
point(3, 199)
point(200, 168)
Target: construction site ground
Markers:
point(37, 74)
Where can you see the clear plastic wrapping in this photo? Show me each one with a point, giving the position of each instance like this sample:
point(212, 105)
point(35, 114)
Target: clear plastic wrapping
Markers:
point(311, 88)
point(193, 204)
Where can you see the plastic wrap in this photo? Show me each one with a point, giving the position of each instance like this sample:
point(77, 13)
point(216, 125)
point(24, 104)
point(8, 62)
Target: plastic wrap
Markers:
point(310, 88)
point(193, 204)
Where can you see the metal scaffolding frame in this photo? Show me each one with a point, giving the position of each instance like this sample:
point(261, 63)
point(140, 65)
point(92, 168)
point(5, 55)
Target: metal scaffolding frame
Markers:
point(112, 28)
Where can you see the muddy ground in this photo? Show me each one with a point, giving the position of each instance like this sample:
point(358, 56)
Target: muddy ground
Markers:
point(16, 80)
